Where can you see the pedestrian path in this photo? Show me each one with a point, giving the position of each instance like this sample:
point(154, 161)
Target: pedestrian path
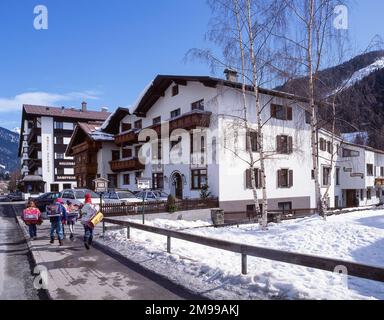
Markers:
point(78, 274)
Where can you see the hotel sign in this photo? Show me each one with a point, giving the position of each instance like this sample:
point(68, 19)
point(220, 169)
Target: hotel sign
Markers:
point(65, 178)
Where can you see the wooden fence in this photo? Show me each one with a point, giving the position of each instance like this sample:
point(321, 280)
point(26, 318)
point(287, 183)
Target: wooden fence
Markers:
point(328, 264)
point(110, 210)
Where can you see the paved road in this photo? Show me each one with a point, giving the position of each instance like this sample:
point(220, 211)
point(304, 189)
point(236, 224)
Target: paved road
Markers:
point(16, 279)
point(75, 273)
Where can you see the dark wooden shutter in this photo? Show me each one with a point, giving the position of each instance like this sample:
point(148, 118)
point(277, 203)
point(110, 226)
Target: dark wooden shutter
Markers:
point(289, 113)
point(279, 178)
point(248, 182)
point(273, 111)
point(259, 178)
point(290, 145)
point(278, 144)
point(290, 179)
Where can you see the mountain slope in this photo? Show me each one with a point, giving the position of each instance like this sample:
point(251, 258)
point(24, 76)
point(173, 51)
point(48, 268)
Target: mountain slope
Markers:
point(358, 86)
point(8, 150)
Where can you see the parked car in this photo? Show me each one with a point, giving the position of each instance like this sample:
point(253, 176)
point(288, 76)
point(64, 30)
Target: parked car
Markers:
point(122, 197)
point(45, 199)
point(152, 196)
point(15, 196)
point(77, 196)
point(4, 199)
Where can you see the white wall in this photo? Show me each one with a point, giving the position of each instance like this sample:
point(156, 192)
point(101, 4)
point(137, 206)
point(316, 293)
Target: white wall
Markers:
point(47, 151)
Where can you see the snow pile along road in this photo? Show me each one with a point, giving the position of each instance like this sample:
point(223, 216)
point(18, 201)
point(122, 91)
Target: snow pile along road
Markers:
point(356, 236)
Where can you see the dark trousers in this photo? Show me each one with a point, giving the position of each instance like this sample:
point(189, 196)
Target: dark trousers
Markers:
point(88, 234)
point(32, 230)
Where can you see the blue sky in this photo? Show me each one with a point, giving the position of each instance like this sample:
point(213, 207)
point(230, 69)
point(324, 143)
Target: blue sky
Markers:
point(107, 51)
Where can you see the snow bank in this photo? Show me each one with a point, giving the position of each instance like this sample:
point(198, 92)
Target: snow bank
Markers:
point(356, 236)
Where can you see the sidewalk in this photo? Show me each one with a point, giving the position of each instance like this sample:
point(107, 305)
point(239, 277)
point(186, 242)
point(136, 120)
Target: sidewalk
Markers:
point(77, 274)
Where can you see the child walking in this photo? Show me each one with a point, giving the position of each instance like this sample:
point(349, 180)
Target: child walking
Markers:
point(88, 211)
point(32, 217)
point(59, 215)
point(72, 213)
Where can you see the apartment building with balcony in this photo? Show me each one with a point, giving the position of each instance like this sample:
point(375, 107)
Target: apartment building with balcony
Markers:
point(45, 135)
point(187, 132)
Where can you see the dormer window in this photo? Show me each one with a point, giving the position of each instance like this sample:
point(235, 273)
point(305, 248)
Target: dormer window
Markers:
point(198, 105)
point(157, 120)
point(175, 90)
point(175, 113)
point(138, 124)
point(126, 127)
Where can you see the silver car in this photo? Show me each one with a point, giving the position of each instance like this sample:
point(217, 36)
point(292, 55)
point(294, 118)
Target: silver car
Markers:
point(77, 196)
point(152, 196)
point(120, 197)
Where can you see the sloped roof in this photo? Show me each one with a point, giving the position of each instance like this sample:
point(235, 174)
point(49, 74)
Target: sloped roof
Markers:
point(65, 112)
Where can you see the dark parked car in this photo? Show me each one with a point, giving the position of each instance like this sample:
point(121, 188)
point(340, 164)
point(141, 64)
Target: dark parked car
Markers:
point(45, 199)
point(15, 196)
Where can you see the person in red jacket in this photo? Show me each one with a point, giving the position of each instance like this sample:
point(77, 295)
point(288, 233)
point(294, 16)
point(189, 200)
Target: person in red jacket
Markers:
point(32, 223)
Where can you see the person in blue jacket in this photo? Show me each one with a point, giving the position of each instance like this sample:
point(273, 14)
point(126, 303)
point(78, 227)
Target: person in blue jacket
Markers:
point(59, 215)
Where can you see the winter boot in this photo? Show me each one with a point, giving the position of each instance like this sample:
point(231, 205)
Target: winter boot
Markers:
point(60, 243)
point(71, 236)
point(52, 240)
point(86, 245)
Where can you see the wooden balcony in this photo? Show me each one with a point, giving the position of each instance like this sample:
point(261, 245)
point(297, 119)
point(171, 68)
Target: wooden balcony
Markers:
point(188, 121)
point(126, 165)
point(127, 138)
point(34, 164)
point(88, 146)
point(33, 149)
point(191, 121)
point(87, 169)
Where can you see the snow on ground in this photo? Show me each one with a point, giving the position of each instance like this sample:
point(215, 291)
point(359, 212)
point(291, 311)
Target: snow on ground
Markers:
point(355, 236)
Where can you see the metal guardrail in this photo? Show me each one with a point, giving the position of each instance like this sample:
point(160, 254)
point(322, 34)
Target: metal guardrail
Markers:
point(328, 264)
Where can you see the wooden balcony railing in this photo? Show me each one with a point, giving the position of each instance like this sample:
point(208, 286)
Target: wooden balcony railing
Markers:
point(188, 121)
point(87, 169)
point(126, 165)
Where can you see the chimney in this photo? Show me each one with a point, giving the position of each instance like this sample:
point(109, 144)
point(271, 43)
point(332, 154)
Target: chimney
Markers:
point(104, 109)
point(62, 109)
point(83, 106)
point(231, 75)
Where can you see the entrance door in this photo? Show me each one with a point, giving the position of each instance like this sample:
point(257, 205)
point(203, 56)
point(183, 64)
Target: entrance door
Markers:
point(351, 198)
point(177, 185)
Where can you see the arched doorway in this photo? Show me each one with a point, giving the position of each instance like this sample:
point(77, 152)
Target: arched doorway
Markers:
point(177, 185)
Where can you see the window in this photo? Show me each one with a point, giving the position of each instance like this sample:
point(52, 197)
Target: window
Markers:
point(284, 178)
point(59, 140)
point(157, 181)
point(248, 178)
point(369, 169)
point(337, 205)
point(326, 176)
point(308, 117)
point(323, 144)
point(67, 186)
point(381, 171)
point(112, 181)
point(138, 175)
point(198, 105)
point(347, 153)
point(175, 90)
point(60, 171)
point(126, 179)
point(362, 194)
point(59, 155)
point(127, 153)
point(284, 206)
point(254, 141)
point(329, 147)
point(156, 120)
point(115, 155)
point(54, 187)
point(369, 194)
point(284, 144)
point(175, 113)
point(281, 112)
point(58, 125)
point(175, 143)
point(25, 149)
point(126, 127)
point(199, 179)
point(337, 176)
point(139, 124)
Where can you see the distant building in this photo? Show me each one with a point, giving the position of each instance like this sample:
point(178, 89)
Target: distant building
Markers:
point(45, 134)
